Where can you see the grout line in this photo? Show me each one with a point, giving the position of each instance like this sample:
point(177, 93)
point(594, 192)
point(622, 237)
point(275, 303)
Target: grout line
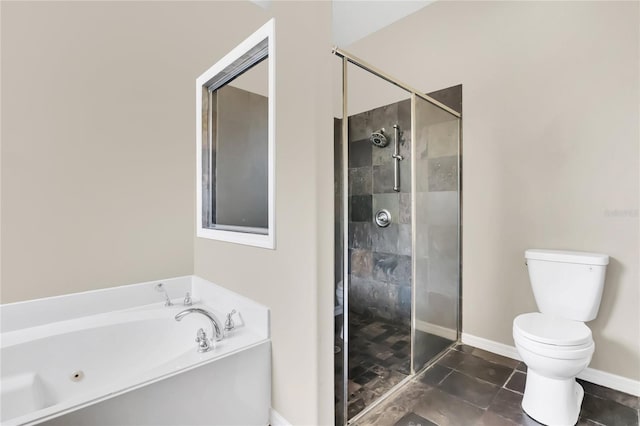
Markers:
point(445, 377)
point(504, 385)
point(479, 379)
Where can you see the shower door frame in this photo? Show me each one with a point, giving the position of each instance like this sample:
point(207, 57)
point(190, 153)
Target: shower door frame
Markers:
point(347, 58)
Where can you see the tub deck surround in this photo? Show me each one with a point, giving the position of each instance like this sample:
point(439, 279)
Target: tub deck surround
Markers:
point(74, 352)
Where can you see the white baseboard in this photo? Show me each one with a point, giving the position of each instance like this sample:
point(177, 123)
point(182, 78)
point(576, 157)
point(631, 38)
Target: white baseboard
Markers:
point(276, 419)
point(599, 377)
point(491, 346)
point(437, 330)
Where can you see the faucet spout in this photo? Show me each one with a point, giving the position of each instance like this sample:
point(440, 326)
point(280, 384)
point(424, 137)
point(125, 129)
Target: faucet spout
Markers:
point(215, 322)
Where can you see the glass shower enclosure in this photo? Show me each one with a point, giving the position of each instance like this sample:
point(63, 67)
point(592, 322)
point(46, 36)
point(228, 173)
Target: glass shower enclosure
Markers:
point(397, 232)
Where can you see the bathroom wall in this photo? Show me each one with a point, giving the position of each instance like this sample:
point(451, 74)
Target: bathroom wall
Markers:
point(550, 151)
point(380, 267)
point(98, 165)
point(296, 279)
point(98, 139)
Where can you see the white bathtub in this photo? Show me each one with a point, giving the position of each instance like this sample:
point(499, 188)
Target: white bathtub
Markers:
point(118, 357)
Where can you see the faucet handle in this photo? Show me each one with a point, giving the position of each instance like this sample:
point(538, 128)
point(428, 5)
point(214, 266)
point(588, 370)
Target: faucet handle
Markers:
point(187, 300)
point(201, 335)
point(229, 324)
point(203, 341)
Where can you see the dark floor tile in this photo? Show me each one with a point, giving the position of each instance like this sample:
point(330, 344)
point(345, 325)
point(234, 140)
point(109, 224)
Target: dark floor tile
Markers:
point(375, 367)
point(460, 395)
point(469, 389)
point(401, 344)
point(522, 367)
point(412, 419)
point(444, 409)
point(484, 370)
point(366, 362)
point(435, 374)
point(517, 382)
point(608, 393)
point(490, 418)
point(392, 410)
point(366, 395)
point(507, 404)
point(384, 336)
point(356, 371)
point(452, 359)
point(355, 406)
point(404, 368)
point(379, 370)
point(586, 422)
point(608, 412)
point(495, 358)
point(386, 381)
point(352, 388)
point(364, 378)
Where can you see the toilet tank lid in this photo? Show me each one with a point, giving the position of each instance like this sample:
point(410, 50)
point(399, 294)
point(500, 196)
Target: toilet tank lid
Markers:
point(567, 256)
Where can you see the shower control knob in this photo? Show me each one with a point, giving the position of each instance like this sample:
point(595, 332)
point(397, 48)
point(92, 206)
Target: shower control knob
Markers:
point(383, 218)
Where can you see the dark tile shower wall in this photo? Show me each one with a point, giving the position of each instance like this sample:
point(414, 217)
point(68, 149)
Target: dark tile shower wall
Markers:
point(380, 267)
point(437, 296)
point(380, 258)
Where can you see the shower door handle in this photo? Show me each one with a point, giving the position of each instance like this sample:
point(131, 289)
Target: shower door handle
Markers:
point(396, 159)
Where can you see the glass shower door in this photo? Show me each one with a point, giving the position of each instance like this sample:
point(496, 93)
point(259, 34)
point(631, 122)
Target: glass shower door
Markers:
point(436, 218)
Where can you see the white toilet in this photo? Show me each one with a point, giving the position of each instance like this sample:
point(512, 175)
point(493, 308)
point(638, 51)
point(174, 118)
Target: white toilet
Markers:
point(555, 343)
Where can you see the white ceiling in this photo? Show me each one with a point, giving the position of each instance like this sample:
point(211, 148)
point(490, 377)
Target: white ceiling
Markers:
point(353, 20)
point(356, 19)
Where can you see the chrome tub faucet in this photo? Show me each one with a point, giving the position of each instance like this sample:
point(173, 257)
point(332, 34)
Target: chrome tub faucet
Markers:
point(204, 343)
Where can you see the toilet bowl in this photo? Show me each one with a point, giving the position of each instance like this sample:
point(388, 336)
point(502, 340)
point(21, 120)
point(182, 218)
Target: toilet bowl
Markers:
point(555, 351)
point(555, 343)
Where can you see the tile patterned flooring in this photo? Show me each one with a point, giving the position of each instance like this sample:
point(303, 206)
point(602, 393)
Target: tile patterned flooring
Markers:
point(469, 386)
point(378, 359)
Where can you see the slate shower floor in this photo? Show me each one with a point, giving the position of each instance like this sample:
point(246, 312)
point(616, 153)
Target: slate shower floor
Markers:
point(469, 386)
point(379, 358)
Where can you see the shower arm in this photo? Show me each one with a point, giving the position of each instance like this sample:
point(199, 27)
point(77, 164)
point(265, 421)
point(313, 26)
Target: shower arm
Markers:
point(396, 159)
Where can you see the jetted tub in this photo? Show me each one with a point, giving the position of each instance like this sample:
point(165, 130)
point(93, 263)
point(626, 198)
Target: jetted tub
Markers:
point(118, 357)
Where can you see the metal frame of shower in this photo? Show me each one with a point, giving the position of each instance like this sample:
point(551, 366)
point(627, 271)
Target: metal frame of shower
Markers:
point(346, 59)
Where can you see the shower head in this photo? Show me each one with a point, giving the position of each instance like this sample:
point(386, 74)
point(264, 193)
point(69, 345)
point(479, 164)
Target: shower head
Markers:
point(379, 139)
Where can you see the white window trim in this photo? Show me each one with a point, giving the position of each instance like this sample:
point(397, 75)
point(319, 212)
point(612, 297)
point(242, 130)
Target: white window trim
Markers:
point(257, 240)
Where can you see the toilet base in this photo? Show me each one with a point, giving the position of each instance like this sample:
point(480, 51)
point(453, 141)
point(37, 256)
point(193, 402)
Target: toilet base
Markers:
point(552, 401)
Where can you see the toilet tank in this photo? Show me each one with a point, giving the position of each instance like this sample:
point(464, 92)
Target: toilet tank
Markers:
point(567, 284)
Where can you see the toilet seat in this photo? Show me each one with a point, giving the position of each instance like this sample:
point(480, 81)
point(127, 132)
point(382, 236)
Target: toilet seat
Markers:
point(552, 330)
point(553, 337)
